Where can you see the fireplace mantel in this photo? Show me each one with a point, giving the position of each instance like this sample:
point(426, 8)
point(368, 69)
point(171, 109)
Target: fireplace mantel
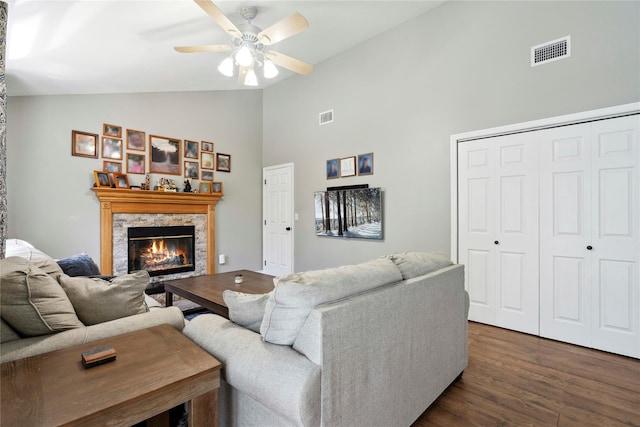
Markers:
point(122, 201)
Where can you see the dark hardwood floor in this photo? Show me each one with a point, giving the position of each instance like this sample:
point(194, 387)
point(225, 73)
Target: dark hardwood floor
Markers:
point(516, 379)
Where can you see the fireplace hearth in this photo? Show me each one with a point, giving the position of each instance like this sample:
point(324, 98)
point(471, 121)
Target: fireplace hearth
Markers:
point(161, 250)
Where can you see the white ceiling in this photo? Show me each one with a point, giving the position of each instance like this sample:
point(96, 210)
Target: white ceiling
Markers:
point(123, 46)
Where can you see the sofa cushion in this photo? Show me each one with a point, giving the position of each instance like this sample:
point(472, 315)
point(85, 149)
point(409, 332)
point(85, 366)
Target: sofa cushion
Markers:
point(295, 295)
point(79, 265)
point(32, 302)
point(246, 310)
point(97, 300)
point(7, 333)
point(414, 264)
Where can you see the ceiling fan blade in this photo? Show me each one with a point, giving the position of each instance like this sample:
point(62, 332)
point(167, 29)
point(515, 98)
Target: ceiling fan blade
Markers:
point(220, 18)
point(206, 48)
point(287, 27)
point(289, 63)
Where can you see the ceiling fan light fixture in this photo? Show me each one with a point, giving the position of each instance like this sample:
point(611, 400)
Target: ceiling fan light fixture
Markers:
point(270, 69)
point(244, 56)
point(226, 67)
point(251, 79)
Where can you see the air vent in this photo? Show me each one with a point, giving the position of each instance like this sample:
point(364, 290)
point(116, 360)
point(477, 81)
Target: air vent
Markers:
point(551, 51)
point(326, 117)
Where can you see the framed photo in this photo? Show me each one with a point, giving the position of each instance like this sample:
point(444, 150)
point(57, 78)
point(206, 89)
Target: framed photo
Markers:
point(206, 175)
point(102, 179)
point(111, 148)
point(365, 164)
point(109, 166)
point(190, 149)
point(223, 162)
point(348, 166)
point(207, 146)
point(135, 163)
point(135, 140)
point(165, 155)
point(216, 187)
point(332, 169)
point(191, 170)
point(122, 181)
point(84, 144)
point(111, 130)
point(206, 160)
point(205, 187)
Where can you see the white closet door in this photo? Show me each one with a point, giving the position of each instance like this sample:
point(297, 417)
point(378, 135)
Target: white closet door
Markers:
point(615, 239)
point(498, 195)
point(565, 233)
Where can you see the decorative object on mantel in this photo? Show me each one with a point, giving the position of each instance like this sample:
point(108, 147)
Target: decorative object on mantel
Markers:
point(121, 180)
point(365, 164)
point(216, 187)
point(84, 144)
point(223, 162)
point(102, 179)
point(205, 187)
point(187, 186)
point(167, 185)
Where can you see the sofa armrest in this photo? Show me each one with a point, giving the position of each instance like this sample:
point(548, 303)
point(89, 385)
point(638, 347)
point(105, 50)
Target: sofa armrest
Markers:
point(276, 376)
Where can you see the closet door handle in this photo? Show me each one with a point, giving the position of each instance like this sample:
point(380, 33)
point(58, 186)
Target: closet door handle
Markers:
point(589, 247)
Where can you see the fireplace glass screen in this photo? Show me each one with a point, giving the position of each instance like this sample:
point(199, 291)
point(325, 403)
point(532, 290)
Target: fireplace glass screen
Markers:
point(161, 250)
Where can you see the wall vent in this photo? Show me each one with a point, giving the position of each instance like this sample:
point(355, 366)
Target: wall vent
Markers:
point(551, 51)
point(326, 117)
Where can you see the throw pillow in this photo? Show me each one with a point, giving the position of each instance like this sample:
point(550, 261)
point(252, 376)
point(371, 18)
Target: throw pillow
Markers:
point(79, 265)
point(97, 301)
point(31, 301)
point(246, 310)
point(295, 295)
point(414, 264)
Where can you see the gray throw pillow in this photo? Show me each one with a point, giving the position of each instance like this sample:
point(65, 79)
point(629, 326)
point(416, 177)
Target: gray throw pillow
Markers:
point(246, 310)
point(79, 265)
point(414, 264)
point(97, 301)
point(31, 301)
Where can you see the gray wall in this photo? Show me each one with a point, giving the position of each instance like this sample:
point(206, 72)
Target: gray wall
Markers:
point(49, 197)
point(461, 67)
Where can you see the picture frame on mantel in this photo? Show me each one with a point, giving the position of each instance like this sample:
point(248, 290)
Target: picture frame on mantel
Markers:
point(205, 187)
point(84, 144)
point(102, 179)
point(216, 187)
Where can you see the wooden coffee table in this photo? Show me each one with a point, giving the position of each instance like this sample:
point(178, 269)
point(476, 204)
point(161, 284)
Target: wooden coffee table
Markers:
point(207, 290)
point(155, 370)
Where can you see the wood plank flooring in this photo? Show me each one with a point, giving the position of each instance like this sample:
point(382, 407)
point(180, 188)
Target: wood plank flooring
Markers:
point(516, 379)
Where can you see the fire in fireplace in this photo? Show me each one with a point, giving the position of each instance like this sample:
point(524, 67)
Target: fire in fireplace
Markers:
point(161, 250)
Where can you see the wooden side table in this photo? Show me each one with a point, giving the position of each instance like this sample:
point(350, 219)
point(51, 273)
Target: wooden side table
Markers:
point(155, 370)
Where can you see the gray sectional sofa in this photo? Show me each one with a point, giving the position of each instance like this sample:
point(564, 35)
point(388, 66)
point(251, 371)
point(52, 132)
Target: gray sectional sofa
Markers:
point(372, 344)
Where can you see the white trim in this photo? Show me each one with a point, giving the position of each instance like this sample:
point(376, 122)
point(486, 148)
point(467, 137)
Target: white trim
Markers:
point(599, 114)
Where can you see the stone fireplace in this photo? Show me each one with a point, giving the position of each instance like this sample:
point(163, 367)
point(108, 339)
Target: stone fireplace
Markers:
point(121, 210)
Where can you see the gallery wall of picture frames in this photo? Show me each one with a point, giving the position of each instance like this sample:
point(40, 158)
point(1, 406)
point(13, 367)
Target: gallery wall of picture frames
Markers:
point(133, 151)
point(350, 166)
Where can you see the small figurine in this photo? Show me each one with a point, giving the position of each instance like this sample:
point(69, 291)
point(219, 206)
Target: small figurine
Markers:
point(187, 185)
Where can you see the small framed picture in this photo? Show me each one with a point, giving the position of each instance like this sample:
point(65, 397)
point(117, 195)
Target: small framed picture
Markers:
point(135, 140)
point(191, 170)
point(166, 155)
point(207, 175)
point(84, 144)
point(135, 163)
point(216, 187)
point(122, 181)
point(332, 169)
point(365, 164)
point(111, 130)
point(223, 162)
point(205, 187)
point(111, 148)
point(109, 166)
point(206, 160)
point(190, 149)
point(348, 166)
point(207, 146)
point(102, 179)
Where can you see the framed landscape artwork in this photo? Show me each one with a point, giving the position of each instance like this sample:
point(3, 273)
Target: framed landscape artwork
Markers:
point(165, 155)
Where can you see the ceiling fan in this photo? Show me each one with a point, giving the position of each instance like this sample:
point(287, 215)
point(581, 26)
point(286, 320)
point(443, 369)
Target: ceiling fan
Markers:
point(250, 44)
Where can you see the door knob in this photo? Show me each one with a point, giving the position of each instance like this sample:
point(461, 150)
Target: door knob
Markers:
point(496, 242)
point(589, 247)
point(288, 228)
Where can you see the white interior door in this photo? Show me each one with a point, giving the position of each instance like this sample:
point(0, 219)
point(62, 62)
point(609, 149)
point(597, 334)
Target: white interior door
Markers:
point(277, 208)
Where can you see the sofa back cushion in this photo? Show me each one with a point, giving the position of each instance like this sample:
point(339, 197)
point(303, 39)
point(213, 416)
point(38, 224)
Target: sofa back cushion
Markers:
point(414, 264)
point(31, 301)
point(97, 300)
point(295, 295)
point(246, 310)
